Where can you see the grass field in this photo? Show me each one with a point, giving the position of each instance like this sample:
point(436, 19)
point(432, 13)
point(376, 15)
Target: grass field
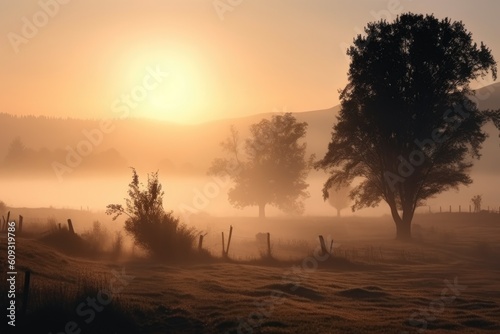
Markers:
point(446, 281)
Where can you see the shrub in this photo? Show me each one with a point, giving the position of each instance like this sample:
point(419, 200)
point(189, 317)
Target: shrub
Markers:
point(96, 238)
point(158, 232)
point(65, 241)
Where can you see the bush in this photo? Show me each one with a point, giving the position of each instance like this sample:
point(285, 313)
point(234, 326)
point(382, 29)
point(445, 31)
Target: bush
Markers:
point(96, 238)
point(158, 232)
point(65, 241)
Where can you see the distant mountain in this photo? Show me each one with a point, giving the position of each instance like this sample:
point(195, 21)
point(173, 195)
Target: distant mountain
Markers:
point(179, 149)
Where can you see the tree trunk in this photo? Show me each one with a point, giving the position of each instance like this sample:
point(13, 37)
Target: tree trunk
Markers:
point(262, 210)
point(403, 230)
point(403, 224)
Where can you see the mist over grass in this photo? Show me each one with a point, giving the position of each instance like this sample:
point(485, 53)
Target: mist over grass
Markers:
point(368, 271)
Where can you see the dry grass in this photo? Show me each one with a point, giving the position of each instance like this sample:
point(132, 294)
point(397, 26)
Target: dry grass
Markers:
point(371, 285)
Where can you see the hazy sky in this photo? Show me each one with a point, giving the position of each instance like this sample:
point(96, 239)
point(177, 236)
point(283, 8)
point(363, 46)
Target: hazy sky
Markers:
point(193, 60)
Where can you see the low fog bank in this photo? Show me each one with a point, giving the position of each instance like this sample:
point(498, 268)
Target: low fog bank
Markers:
point(185, 195)
point(358, 239)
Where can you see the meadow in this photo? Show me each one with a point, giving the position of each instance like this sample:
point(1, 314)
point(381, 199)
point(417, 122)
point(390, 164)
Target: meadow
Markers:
point(444, 281)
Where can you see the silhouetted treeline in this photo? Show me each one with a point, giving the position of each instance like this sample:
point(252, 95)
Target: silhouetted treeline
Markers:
point(21, 160)
point(180, 149)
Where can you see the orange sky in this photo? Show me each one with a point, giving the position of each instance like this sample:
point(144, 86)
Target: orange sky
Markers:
point(93, 59)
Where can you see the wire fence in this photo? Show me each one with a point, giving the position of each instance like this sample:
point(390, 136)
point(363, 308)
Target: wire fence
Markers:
point(456, 208)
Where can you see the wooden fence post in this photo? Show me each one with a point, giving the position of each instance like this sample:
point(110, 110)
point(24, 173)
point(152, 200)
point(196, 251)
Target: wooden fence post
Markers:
point(70, 226)
point(323, 246)
point(223, 249)
point(229, 239)
point(268, 244)
point(20, 223)
point(26, 292)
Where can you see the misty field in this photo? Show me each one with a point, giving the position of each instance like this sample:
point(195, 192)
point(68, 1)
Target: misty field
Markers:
point(445, 281)
point(249, 167)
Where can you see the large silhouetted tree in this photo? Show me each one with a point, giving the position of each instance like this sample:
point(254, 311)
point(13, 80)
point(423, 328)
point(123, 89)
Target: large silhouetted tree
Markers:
point(407, 126)
point(270, 168)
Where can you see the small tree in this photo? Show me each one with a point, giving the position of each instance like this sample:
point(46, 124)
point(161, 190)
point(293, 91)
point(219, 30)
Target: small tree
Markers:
point(158, 232)
point(476, 201)
point(272, 169)
point(339, 198)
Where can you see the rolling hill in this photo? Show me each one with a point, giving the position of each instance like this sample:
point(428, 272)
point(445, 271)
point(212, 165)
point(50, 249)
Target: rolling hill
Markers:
point(175, 148)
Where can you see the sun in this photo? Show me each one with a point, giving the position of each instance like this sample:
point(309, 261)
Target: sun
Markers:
point(177, 95)
point(171, 98)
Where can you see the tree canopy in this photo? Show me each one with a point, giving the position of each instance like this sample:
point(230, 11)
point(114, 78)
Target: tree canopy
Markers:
point(269, 168)
point(407, 128)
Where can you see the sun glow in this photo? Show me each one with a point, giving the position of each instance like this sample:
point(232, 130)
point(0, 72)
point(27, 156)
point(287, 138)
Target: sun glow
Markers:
point(175, 94)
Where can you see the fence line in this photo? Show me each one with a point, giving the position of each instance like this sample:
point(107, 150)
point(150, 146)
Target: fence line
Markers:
point(456, 208)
